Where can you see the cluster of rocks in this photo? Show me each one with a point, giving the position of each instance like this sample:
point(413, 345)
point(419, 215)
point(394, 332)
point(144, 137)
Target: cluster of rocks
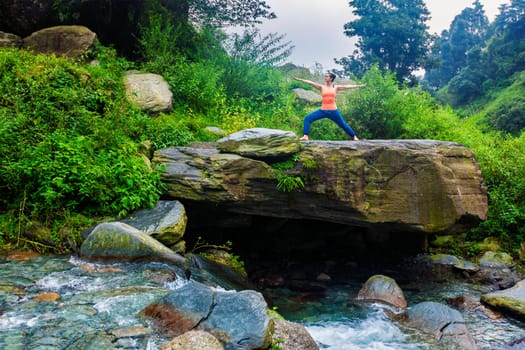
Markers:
point(195, 315)
point(445, 324)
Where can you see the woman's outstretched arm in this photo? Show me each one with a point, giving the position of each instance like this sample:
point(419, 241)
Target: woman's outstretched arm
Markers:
point(346, 87)
point(309, 82)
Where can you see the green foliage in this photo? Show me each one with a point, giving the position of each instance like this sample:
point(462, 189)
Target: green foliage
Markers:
point(437, 124)
point(277, 345)
point(239, 76)
point(466, 86)
point(382, 109)
point(229, 12)
point(373, 108)
point(163, 131)
point(289, 183)
point(285, 165)
point(210, 86)
point(195, 82)
point(159, 38)
point(507, 111)
point(477, 62)
point(65, 172)
point(502, 161)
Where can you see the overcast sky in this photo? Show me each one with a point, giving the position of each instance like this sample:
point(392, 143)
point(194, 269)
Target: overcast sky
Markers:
point(315, 27)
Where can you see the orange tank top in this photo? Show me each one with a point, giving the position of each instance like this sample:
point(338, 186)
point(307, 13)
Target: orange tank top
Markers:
point(328, 96)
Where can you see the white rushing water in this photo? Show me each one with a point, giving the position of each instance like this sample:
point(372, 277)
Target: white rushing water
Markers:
point(376, 332)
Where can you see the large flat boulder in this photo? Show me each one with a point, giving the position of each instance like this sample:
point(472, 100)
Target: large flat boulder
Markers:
point(406, 185)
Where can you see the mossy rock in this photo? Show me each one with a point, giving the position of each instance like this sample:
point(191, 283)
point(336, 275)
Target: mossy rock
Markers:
point(510, 301)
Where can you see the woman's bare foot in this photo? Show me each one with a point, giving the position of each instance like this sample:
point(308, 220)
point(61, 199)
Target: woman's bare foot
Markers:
point(304, 138)
point(356, 138)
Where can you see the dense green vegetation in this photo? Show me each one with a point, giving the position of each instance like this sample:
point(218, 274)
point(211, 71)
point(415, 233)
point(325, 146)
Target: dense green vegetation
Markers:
point(73, 150)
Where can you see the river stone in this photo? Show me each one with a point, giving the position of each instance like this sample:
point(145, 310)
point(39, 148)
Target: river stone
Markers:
point(238, 319)
point(150, 92)
point(444, 323)
point(93, 341)
point(166, 222)
point(214, 130)
point(490, 244)
point(495, 259)
point(516, 344)
point(291, 336)
point(10, 40)
point(466, 266)
point(382, 288)
point(193, 340)
point(443, 259)
point(49, 297)
point(70, 41)
point(446, 259)
point(243, 317)
point(133, 331)
point(510, 301)
point(120, 241)
point(183, 309)
point(260, 143)
point(308, 96)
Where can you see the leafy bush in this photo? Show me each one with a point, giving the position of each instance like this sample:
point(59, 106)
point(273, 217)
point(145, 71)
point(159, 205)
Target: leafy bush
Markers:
point(370, 108)
point(382, 109)
point(502, 161)
point(68, 139)
point(168, 131)
point(437, 124)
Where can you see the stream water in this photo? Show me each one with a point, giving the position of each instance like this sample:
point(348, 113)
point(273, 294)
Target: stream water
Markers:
point(96, 307)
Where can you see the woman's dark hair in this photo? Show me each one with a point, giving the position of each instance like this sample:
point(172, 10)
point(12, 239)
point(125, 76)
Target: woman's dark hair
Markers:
point(332, 76)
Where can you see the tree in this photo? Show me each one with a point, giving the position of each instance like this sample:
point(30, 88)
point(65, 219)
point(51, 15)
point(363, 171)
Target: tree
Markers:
point(254, 48)
point(251, 57)
point(392, 34)
point(512, 16)
point(467, 31)
point(117, 22)
point(505, 53)
point(226, 12)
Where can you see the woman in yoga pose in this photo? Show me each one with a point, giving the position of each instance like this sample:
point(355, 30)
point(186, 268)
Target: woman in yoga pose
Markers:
point(328, 107)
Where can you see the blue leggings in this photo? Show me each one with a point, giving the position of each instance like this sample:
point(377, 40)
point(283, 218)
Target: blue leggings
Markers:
point(333, 115)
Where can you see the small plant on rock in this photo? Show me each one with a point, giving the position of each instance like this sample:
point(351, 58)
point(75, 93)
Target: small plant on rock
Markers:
point(287, 182)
